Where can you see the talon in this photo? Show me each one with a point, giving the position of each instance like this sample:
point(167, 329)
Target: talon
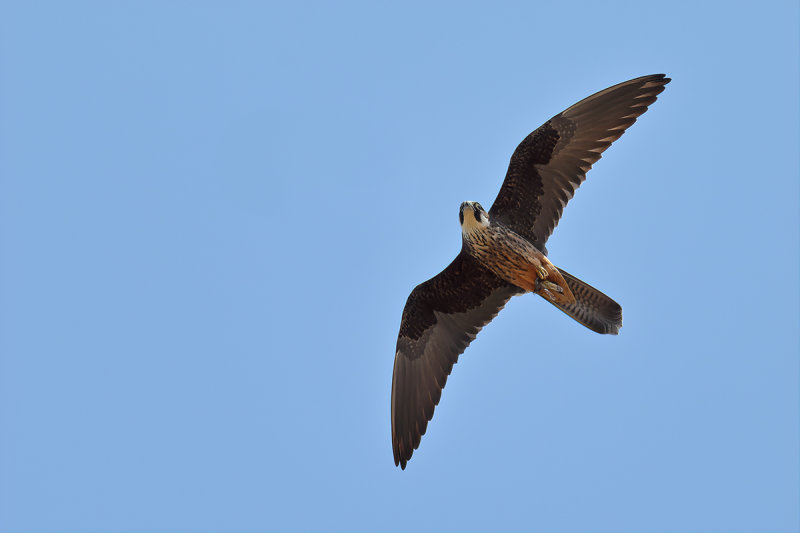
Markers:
point(552, 286)
point(542, 271)
point(543, 287)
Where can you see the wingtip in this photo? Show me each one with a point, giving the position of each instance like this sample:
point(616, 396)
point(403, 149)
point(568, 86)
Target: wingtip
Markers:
point(400, 458)
point(654, 81)
point(400, 462)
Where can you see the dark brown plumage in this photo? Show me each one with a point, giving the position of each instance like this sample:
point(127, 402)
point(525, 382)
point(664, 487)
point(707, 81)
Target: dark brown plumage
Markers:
point(444, 314)
point(441, 317)
point(551, 163)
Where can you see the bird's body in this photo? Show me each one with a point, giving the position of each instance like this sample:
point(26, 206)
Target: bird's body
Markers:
point(510, 256)
point(503, 254)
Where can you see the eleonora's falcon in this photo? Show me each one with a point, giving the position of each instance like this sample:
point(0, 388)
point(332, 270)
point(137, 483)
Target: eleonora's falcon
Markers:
point(503, 254)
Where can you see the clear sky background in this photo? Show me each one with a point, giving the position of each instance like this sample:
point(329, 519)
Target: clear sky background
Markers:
point(211, 215)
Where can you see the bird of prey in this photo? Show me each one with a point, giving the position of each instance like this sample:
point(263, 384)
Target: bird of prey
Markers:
point(503, 254)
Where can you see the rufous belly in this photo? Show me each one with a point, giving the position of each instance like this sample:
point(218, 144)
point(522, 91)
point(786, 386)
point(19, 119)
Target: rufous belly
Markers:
point(519, 262)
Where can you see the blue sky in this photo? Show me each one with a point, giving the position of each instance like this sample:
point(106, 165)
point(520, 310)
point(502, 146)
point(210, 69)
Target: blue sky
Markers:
point(211, 215)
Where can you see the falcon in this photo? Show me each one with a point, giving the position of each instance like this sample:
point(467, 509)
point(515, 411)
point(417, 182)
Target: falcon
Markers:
point(503, 254)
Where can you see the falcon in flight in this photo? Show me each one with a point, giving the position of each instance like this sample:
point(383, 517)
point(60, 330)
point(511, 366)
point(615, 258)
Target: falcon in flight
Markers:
point(503, 254)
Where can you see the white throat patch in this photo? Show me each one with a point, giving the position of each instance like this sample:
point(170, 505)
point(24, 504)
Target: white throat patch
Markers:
point(470, 224)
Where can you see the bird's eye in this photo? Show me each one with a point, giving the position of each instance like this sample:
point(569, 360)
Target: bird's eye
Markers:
point(461, 216)
point(479, 206)
point(477, 214)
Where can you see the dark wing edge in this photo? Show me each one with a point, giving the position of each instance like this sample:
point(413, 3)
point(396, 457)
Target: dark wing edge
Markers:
point(550, 164)
point(440, 319)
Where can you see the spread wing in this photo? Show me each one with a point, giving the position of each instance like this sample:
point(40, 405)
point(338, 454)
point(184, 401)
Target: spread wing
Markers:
point(551, 163)
point(441, 317)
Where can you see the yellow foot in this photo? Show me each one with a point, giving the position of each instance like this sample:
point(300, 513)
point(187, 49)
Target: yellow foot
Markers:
point(552, 286)
point(542, 271)
point(544, 287)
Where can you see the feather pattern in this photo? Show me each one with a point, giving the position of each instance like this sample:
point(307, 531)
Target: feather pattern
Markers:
point(591, 307)
point(550, 164)
point(441, 317)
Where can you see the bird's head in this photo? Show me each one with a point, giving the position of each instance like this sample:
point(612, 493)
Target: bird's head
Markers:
point(472, 216)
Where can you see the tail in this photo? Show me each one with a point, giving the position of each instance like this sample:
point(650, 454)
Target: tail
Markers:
point(591, 308)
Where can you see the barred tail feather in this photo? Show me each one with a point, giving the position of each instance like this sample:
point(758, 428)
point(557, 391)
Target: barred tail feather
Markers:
point(592, 308)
